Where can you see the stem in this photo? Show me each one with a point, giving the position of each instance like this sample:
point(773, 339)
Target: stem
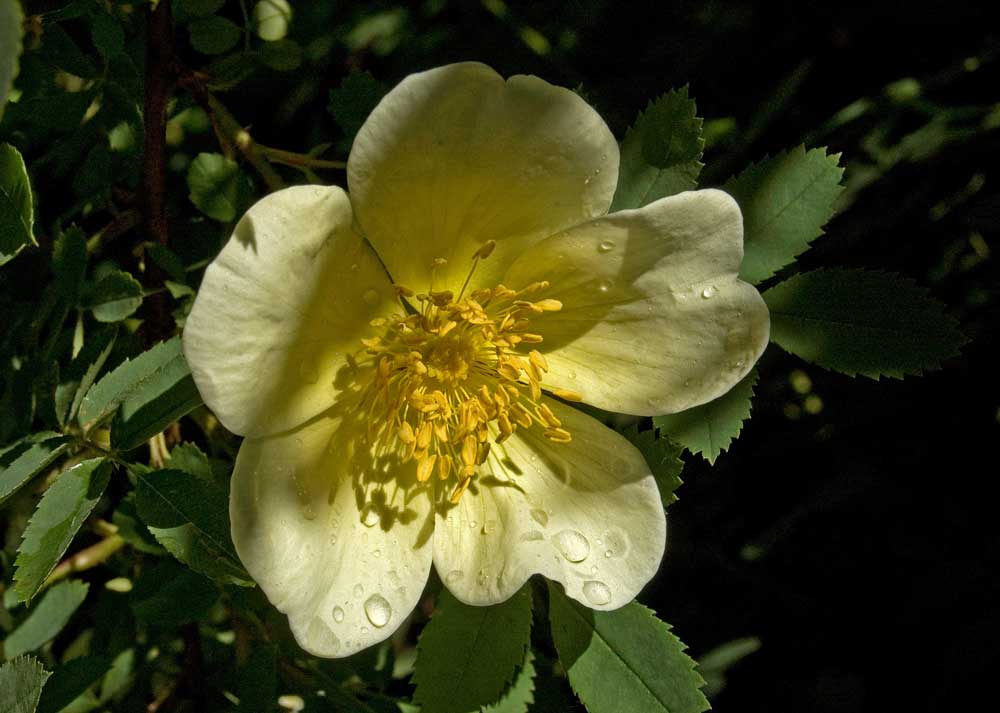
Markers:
point(290, 158)
point(87, 558)
point(239, 137)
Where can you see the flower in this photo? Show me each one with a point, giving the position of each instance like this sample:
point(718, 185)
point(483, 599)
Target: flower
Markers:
point(392, 358)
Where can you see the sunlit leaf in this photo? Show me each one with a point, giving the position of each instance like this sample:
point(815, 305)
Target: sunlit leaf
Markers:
point(16, 217)
point(217, 186)
point(47, 618)
point(21, 682)
point(25, 459)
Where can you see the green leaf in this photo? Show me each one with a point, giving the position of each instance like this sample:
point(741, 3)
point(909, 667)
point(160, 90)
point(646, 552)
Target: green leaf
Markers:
point(47, 619)
point(271, 18)
point(354, 100)
point(83, 370)
point(11, 30)
point(214, 35)
point(785, 200)
point(155, 404)
point(116, 296)
point(623, 661)
point(663, 458)
point(467, 656)
point(190, 458)
point(60, 513)
point(70, 681)
point(217, 187)
point(157, 367)
point(282, 55)
point(27, 458)
point(169, 595)
point(16, 216)
point(197, 8)
point(521, 692)
point(661, 153)
point(710, 428)
point(860, 322)
point(21, 682)
point(189, 516)
point(106, 32)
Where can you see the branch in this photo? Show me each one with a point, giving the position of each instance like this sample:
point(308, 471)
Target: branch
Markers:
point(88, 558)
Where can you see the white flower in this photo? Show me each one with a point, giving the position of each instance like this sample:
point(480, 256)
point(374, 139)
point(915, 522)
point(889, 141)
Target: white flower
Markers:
point(433, 440)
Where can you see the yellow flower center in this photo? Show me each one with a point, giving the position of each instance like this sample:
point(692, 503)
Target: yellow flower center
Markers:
point(444, 377)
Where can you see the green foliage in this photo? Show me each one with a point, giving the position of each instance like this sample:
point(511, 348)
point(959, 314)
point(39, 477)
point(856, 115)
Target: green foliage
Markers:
point(520, 694)
point(10, 47)
point(70, 681)
point(624, 661)
point(352, 102)
point(661, 153)
point(785, 200)
point(47, 619)
point(28, 457)
point(189, 516)
point(107, 35)
point(663, 458)
point(82, 372)
point(169, 595)
point(214, 35)
point(710, 428)
point(467, 656)
point(21, 682)
point(58, 517)
point(116, 296)
point(16, 216)
point(163, 397)
point(861, 322)
point(217, 186)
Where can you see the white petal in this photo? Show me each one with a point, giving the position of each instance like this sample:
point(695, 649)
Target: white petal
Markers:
point(654, 319)
point(291, 292)
point(456, 156)
point(307, 526)
point(587, 514)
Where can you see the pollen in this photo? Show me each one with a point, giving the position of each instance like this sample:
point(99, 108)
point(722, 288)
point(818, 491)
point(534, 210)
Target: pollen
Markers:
point(457, 374)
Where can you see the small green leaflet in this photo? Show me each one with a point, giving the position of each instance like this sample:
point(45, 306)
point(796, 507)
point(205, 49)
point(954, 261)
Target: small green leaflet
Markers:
point(11, 29)
point(58, 517)
point(116, 296)
point(189, 516)
point(71, 680)
point(661, 153)
point(860, 322)
point(785, 200)
point(521, 692)
point(467, 655)
point(83, 370)
point(27, 458)
point(623, 661)
point(663, 458)
point(217, 187)
point(352, 102)
point(154, 404)
point(710, 428)
point(214, 35)
point(16, 216)
point(21, 682)
point(47, 619)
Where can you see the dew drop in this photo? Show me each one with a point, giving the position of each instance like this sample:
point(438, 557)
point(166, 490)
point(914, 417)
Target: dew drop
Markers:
point(333, 538)
point(307, 512)
point(532, 536)
point(586, 182)
point(354, 266)
point(364, 629)
point(617, 543)
point(604, 285)
point(605, 246)
point(709, 292)
point(572, 545)
point(454, 576)
point(369, 518)
point(472, 524)
point(358, 590)
point(338, 614)
point(540, 516)
point(597, 592)
point(597, 171)
point(378, 610)
point(371, 297)
point(604, 157)
point(482, 578)
point(489, 527)
point(377, 553)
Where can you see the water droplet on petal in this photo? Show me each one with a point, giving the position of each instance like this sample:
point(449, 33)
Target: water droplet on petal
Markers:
point(540, 516)
point(472, 524)
point(605, 246)
point(597, 592)
point(369, 518)
point(377, 553)
point(617, 543)
point(482, 578)
point(532, 536)
point(364, 629)
point(604, 285)
point(338, 614)
point(489, 527)
point(333, 538)
point(371, 297)
point(378, 610)
point(454, 576)
point(572, 545)
point(358, 590)
point(709, 292)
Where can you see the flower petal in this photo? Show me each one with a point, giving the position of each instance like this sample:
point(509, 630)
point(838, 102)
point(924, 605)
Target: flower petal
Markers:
point(586, 514)
point(654, 319)
point(455, 156)
point(346, 565)
point(291, 292)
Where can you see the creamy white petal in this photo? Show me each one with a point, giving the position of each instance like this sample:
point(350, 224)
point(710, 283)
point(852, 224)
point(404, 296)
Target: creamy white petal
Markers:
point(328, 537)
point(587, 514)
point(455, 156)
point(654, 319)
point(291, 292)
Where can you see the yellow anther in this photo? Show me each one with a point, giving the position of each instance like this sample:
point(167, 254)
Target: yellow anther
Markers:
point(508, 371)
point(424, 435)
point(372, 342)
point(546, 416)
point(486, 250)
point(425, 467)
point(536, 389)
point(538, 360)
point(441, 298)
point(444, 467)
point(549, 305)
point(403, 291)
point(456, 494)
point(405, 433)
point(469, 450)
point(567, 395)
point(558, 435)
point(503, 423)
point(378, 322)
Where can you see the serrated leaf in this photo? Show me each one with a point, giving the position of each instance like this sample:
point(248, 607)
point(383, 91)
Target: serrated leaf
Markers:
point(27, 458)
point(116, 296)
point(663, 458)
point(214, 35)
point(710, 428)
point(785, 200)
point(521, 693)
point(47, 619)
point(21, 682)
point(155, 404)
point(83, 370)
point(189, 516)
point(216, 186)
point(352, 102)
point(467, 655)
point(860, 322)
point(11, 30)
point(661, 153)
point(190, 458)
point(70, 681)
point(104, 397)
point(58, 517)
point(623, 661)
point(16, 216)
point(107, 34)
